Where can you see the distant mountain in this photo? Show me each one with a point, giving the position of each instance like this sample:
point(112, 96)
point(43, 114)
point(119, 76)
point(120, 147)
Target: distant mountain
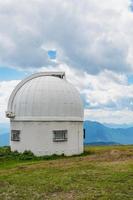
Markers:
point(118, 125)
point(4, 134)
point(4, 128)
point(4, 139)
point(103, 143)
point(96, 132)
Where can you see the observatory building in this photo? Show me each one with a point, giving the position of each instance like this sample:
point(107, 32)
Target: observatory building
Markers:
point(46, 115)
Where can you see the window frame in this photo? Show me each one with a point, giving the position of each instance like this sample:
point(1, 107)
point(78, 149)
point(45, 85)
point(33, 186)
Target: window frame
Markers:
point(57, 138)
point(15, 135)
point(84, 133)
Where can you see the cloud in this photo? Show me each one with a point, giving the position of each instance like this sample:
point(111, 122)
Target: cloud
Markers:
point(107, 90)
point(91, 35)
point(6, 87)
point(109, 116)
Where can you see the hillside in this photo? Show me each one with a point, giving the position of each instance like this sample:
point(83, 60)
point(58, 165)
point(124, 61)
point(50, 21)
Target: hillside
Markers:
point(98, 133)
point(101, 173)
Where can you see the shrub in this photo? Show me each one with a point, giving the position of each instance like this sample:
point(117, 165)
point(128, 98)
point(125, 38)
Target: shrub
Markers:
point(26, 155)
point(7, 154)
point(5, 151)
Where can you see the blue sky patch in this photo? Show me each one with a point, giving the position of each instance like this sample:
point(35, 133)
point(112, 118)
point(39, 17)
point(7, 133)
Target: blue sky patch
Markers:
point(7, 74)
point(131, 5)
point(130, 79)
point(52, 54)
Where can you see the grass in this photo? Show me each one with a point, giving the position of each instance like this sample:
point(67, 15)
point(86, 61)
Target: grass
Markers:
point(103, 173)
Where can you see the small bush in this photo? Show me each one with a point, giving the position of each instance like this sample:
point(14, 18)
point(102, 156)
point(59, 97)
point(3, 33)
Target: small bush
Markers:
point(7, 154)
point(4, 150)
point(26, 155)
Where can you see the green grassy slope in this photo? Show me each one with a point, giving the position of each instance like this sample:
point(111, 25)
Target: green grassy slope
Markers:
point(106, 173)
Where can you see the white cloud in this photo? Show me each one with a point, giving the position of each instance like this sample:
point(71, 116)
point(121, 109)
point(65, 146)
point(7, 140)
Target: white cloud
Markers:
point(91, 35)
point(123, 116)
point(6, 88)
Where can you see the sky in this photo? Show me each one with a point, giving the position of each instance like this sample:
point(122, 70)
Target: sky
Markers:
point(91, 40)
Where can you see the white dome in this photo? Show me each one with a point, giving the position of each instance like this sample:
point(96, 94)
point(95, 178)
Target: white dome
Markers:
point(45, 97)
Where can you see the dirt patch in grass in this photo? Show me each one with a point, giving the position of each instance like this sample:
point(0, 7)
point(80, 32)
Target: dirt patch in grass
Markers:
point(71, 195)
point(3, 184)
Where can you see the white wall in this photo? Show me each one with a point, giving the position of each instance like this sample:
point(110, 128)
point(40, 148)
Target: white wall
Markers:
point(38, 137)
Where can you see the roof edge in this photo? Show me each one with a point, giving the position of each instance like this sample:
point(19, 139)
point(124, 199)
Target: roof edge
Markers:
point(48, 119)
point(59, 74)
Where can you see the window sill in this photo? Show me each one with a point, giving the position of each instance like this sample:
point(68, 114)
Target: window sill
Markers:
point(59, 140)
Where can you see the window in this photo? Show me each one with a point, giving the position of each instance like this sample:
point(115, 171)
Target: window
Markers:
point(84, 132)
point(60, 135)
point(15, 135)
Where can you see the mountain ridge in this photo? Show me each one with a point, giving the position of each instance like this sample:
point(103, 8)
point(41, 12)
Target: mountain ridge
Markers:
point(97, 132)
